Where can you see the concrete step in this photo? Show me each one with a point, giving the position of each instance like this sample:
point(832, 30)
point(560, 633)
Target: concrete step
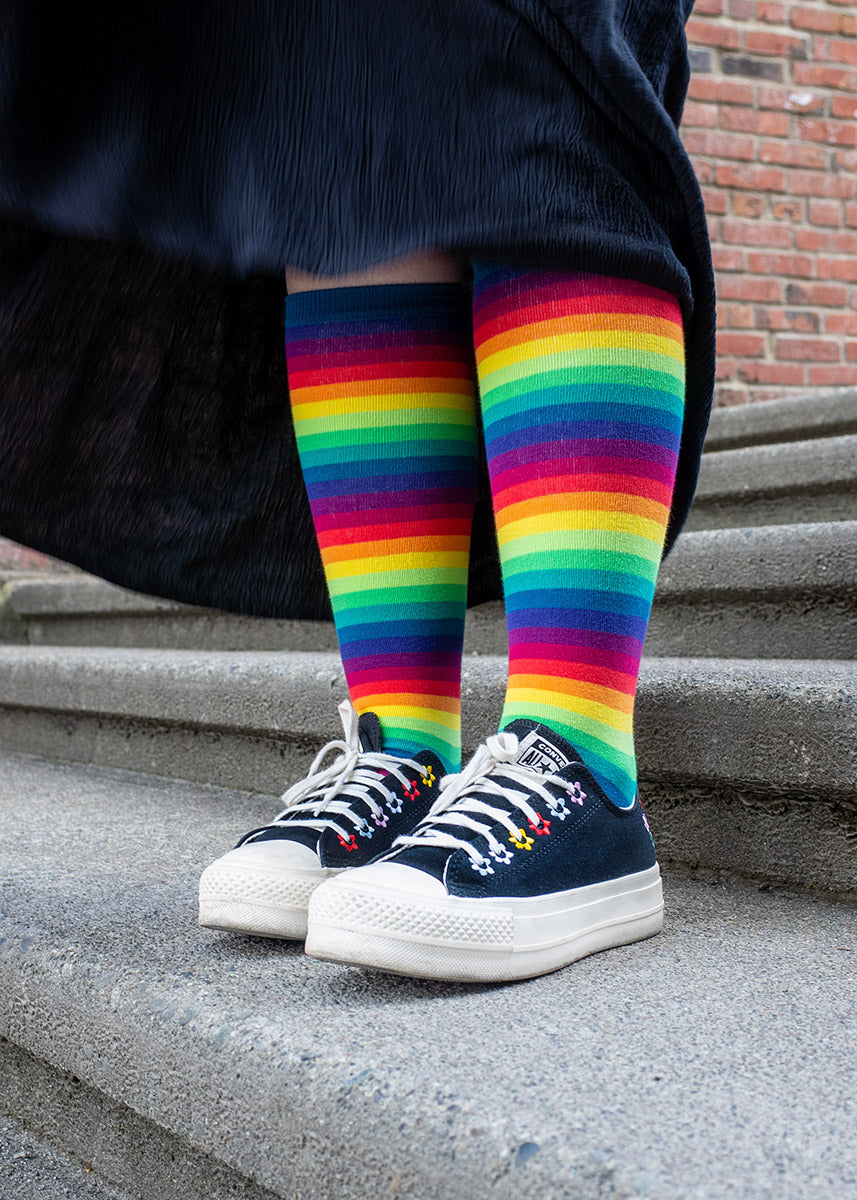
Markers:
point(827, 412)
point(239, 1064)
point(82, 610)
point(764, 592)
point(32, 1169)
point(748, 765)
point(771, 591)
point(783, 484)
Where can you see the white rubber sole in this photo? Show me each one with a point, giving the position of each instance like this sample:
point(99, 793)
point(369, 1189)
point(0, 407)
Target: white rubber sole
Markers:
point(262, 903)
point(478, 941)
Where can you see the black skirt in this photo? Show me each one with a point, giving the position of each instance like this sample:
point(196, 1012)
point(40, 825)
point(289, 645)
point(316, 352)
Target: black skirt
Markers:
point(161, 163)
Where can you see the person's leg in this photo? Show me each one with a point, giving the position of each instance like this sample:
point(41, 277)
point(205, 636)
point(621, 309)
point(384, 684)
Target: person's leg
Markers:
point(382, 387)
point(538, 852)
point(582, 385)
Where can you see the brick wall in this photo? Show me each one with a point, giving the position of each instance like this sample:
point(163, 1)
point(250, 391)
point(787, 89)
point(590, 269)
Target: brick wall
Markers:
point(771, 127)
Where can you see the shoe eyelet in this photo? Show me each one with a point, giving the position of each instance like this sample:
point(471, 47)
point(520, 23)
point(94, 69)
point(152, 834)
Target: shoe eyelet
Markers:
point(525, 843)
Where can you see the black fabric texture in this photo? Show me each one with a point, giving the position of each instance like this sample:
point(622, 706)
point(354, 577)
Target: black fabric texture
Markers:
point(161, 163)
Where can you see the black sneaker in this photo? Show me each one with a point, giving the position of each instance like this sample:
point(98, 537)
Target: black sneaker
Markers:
point(523, 865)
point(340, 816)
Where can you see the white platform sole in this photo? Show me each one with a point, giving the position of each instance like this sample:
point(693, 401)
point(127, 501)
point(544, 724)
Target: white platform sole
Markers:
point(262, 903)
point(354, 921)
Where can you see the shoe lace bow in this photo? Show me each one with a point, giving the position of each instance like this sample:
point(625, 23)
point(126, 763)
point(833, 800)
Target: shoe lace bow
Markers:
point(464, 798)
point(329, 793)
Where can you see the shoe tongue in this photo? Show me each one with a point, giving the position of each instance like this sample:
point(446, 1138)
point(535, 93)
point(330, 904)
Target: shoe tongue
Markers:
point(539, 748)
point(369, 733)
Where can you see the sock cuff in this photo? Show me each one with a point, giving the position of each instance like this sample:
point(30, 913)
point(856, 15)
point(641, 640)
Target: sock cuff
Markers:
point(419, 303)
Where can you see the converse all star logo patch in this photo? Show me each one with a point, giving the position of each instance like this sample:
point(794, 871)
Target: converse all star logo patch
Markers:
point(540, 755)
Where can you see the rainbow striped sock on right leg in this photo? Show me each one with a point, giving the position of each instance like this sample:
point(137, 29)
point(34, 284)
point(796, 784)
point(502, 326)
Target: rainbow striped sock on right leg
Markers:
point(582, 391)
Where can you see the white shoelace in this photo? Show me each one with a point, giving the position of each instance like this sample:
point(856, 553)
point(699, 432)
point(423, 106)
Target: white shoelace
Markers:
point(353, 775)
point(457, 805)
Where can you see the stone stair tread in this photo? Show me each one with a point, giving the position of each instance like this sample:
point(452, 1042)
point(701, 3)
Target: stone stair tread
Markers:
point(819, 556)
point(627, 1073)
point(825, 412)
point(32, 1169)
point(777, 722)
point(772, 470)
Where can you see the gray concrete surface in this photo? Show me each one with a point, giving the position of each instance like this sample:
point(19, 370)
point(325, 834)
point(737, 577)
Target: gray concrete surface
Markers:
point(153, 1162)
point(716, 739)
point(827, 412)
point(769, 591)
point(32, 1169)
point(711, 1062)
point(768, 724)
point(784, 484)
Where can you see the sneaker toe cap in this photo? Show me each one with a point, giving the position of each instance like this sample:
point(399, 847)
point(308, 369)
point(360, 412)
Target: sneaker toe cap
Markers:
point(391, 876)
point(264, 858)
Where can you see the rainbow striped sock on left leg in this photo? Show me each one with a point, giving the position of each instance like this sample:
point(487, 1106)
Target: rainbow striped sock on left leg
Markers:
point(382, 388)
point(581, 379)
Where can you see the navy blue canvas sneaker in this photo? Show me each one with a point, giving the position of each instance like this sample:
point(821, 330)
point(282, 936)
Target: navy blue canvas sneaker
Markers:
point(340, 816)
point(523, 865)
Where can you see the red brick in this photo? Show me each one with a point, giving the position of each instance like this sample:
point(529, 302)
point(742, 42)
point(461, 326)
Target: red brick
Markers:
point(772, 12)
point(817, 20)
point(743, 345)
point(730, 397)
point(843, 376)
point(787, 319)
point(805, 349)
point(825, 212)
point(851, 213)
point(788, 210)
point(761, 179)
point(842, 50)
point(832, 133)
point(800, 100)
point(747, 204)
point(716, 200)
point(833, 294)
point(704, 171)
point(851, 351)
point(766, 372)
point(840, 323)
point(813, 183)
point(704, 87)
point(794, 154)
point(828, 241)
point(720, 145)
point(844, 160)
point(724, 368)
point(838, 268)
point(783, 45)
point(756, 233)
point(739, 287)
point(742, 10)
point(745, 120)
point(737, 316)
point(708, 8)
point(713, 33)
point(799, 265)
point(699, 116)
point(815, 75)
point(728, 259)
point(843, 106)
